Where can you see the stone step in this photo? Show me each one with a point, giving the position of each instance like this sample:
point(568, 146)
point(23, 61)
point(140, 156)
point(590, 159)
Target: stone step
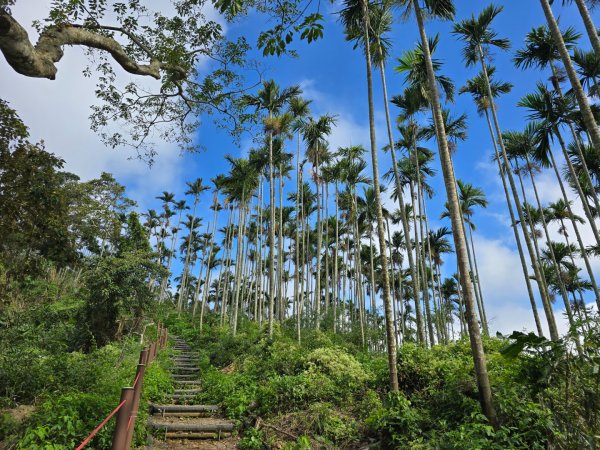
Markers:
point(187, 381)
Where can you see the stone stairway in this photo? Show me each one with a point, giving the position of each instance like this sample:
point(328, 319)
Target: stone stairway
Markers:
point(182, 423)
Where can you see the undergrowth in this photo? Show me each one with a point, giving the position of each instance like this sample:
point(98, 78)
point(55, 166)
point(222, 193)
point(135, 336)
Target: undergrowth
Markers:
point(328, 393)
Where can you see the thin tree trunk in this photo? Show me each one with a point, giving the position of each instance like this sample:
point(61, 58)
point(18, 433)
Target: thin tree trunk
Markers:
point(327, 275)
point(422, 254)
point(271, 236)
point(209, 262)
point(238, 264)
point(319, 243)
point(182, 286)
point(299, 220)
point(223, 263)
point(391, 342)
point(575, 227)
point(590, 27)
point(405, 227)
point(585, 170)
point(538, 274)
point(485, 392)
point(559, 278)
point(584, 106)
point(335, 261)
point(478, 284)
point(524, 270)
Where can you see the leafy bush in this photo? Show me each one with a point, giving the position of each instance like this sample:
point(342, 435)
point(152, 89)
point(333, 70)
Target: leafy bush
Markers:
point(8, 426)
point(63, 422)
point(339, 366)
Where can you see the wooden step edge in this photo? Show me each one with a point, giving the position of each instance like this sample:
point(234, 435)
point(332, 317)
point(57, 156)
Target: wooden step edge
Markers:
point(196, 415)
point(187, 391)
point(214, 427)
point(184, 408)
point(199, 436)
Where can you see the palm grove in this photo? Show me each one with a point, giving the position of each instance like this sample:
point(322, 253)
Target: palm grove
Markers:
point(327, 253)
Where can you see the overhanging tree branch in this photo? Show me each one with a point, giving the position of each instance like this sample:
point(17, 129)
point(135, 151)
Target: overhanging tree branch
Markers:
point(39, 61)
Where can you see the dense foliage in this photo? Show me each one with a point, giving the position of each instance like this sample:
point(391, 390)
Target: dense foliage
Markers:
point(75, 268)
point(328, 392)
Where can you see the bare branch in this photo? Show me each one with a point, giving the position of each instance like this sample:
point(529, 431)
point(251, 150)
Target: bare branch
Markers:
point(39, 60)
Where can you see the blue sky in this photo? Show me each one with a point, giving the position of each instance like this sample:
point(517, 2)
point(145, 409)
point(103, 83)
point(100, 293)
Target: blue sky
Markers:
point(331, 74)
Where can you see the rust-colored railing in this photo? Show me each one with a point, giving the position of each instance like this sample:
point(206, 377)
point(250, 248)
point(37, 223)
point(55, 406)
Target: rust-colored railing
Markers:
point(128, 407)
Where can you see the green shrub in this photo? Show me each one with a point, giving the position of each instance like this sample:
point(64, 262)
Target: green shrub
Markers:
point(9, 426)
point(397, 422)
point(339, 366)
point(330, 425)
point(295, 392)
point(62, 423)
point(252, 440)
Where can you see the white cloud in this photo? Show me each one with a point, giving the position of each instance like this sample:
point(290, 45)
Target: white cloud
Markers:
point(347, 131)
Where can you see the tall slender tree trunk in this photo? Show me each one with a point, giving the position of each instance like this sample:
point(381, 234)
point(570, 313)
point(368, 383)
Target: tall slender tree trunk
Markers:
point(319, 244)
point(335, 261)
point(477, 285)
point(223, 265)
point(393, 279)
point(297, 244)
point(586, 207)
point(259, 267)
point(536, 268)
point(513, 222)
point(358, 292)
point(239, 264)
point(561, 284)
point(271, 236)
point(590, 27)
point(584, 106)
point(571, 168)
point(199, 278)
point(372, 281)
point(473, 277)
point(422, 251)
point(404, 219)
point(387, 305)
point(165, 280)
point(427, 249)
point(326, 255)
point(182, 287)
point(209, 262)
point(300, 268)
point(485, 392)
point(575, 227)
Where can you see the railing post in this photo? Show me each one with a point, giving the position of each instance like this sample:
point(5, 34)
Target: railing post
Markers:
point(137, 392)
point(120, 434)
point(143, 356)
point(152, 352)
